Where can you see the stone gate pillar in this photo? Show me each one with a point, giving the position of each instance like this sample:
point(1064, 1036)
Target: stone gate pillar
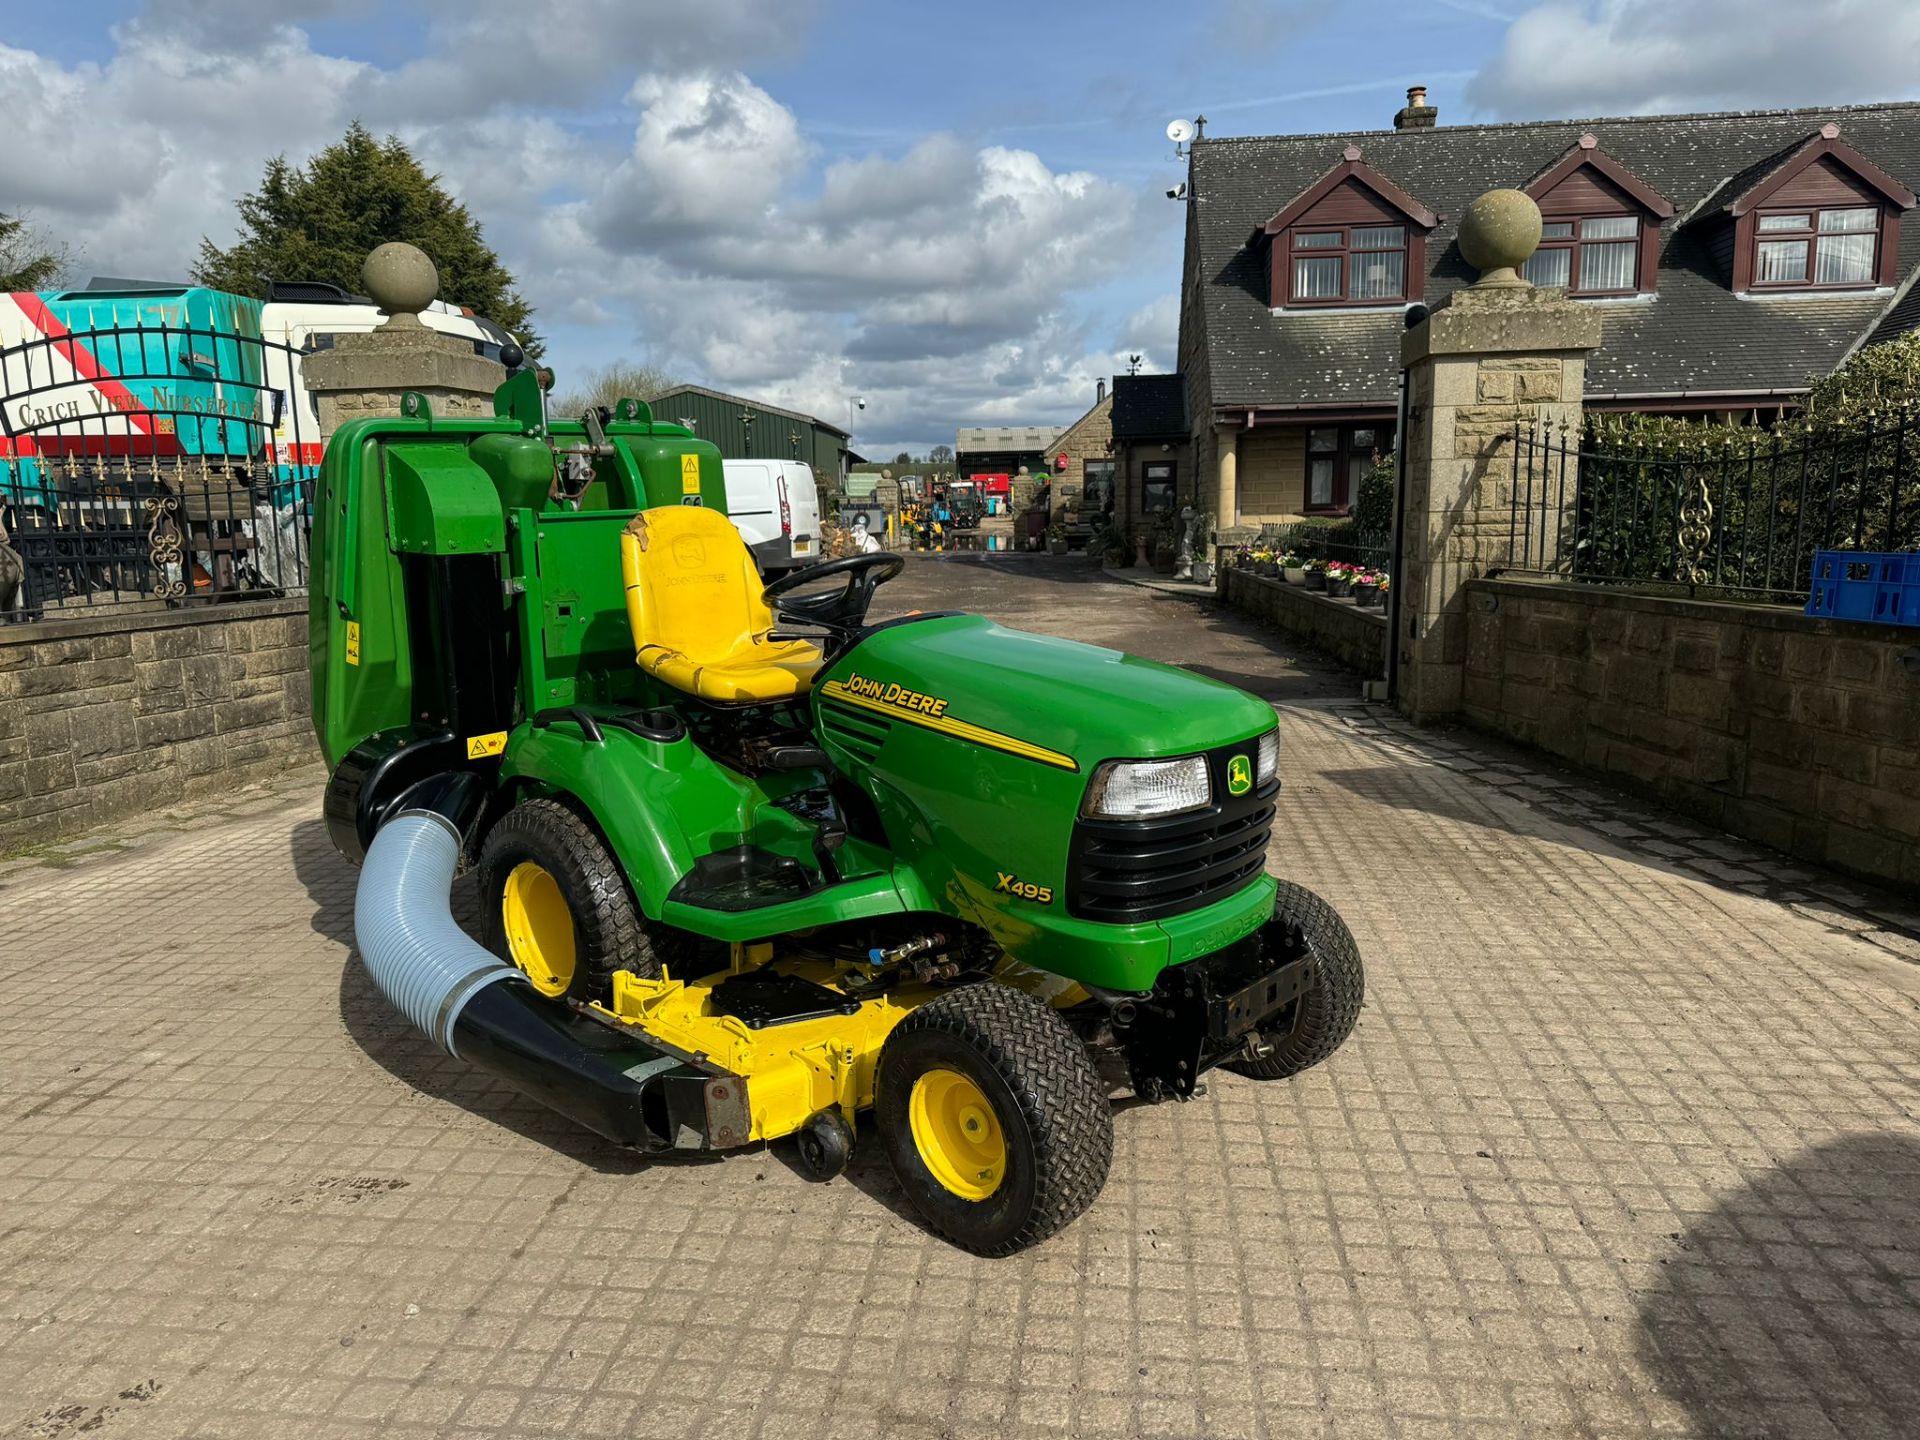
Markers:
point(367, 374)
point(1495, 355)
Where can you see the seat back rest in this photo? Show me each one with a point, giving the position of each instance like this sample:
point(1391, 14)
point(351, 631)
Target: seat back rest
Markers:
point(691, 583)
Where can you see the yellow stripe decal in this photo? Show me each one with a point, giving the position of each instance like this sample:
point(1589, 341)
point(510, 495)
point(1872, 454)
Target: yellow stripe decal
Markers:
point(947, 725)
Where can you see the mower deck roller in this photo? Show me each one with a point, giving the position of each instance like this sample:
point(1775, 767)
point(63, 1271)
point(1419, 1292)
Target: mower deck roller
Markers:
point(751, 866)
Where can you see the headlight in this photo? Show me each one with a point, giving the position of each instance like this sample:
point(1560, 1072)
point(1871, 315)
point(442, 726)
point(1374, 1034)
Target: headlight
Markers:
point(1266, 763)
point(1137, 789)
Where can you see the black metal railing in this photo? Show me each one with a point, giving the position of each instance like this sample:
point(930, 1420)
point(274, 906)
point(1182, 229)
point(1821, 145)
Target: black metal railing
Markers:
point(152, 464)
point(1736, 513)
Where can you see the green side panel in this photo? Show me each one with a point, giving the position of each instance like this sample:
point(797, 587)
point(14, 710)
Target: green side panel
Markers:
point(355, 592)
point(520, 466)
point(662, 806)
point(575, 645)
point(440, 503)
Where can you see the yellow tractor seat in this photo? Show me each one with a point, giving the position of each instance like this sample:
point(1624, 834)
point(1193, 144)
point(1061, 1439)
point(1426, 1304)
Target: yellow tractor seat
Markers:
point(699, 624)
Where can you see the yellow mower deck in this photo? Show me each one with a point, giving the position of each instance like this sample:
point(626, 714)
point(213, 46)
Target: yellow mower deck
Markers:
point(793, 1069)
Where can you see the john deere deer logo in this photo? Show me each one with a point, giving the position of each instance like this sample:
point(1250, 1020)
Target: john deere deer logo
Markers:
point(1239, 775)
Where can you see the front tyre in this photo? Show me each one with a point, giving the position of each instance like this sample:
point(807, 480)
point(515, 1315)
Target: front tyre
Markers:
point(994, 1119)
point(1330, 1009)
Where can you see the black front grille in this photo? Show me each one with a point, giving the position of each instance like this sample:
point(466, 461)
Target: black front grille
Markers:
point(1125, 871)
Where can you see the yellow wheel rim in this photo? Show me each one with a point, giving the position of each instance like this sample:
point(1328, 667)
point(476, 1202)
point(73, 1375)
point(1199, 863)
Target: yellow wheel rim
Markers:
point(957, 1134)
point(539, 928)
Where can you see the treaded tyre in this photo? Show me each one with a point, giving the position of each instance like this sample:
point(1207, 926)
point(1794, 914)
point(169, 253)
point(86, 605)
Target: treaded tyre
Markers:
point(557, 906)
point(1330, 1009)
point(996, 1123)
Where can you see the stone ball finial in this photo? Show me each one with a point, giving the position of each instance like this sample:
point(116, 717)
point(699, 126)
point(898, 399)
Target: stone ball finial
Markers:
point(401, 280)
point(1498, 231)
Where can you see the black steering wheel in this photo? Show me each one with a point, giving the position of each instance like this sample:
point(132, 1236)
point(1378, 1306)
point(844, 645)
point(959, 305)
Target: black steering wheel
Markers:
point(843, 610)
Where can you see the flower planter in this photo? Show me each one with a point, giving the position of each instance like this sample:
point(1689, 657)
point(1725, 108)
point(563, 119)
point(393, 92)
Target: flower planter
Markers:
point(1056, 547)
point(1366, 596)
point(1340, 589)
point(1202, 572)
point(1266, 568)
point(1316, 580)
point(1295, 575)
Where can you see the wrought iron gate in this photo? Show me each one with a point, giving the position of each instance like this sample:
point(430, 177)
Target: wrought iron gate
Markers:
point(153, 463)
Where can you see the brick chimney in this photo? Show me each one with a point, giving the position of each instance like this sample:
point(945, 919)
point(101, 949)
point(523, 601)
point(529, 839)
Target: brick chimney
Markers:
point(1418, 115)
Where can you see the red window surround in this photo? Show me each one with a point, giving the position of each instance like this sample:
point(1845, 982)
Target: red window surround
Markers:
point(1806, 225)
point(1352, 238)
point(1592, 209)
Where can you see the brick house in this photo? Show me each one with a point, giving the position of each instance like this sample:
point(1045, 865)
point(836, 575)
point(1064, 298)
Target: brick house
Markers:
point(1732, 257)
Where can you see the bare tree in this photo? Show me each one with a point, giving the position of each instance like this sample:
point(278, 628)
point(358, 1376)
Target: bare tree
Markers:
point(940, 455)
point(612, 383)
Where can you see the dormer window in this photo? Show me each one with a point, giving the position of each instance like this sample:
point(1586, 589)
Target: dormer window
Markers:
point(1352, 238)
point(1819, 215)
point(1600, 226)
point(1361, 265)
point(1822, 249)
point(1593, 255)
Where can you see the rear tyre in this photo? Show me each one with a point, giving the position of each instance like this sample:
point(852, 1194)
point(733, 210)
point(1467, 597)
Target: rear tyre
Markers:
point(557, 906)
point(1330, 1009)
point(994, 1119)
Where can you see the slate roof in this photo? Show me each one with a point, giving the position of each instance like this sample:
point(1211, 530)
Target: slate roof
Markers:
point(1148, 406)
point(1695, 337)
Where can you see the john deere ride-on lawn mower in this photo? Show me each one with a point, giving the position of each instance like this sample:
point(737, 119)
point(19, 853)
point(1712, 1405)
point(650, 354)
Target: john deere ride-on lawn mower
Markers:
point(751, 865)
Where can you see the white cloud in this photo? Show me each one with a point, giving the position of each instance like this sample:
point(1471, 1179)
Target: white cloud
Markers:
point(940, 281)
point(1631, 56)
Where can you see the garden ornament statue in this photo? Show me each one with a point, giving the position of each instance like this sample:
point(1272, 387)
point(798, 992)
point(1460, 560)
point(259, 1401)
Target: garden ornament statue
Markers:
point(1183, 562)
point(1498, 232)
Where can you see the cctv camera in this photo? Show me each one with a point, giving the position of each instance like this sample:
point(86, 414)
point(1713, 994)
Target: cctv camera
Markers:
point(861, 403)
point(1178, 192)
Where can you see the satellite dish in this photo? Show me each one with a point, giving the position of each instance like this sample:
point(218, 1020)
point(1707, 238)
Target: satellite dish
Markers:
point(1179, 131)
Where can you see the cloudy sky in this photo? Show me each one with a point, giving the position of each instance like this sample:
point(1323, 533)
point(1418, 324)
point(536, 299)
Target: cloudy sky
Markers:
point(955, 211)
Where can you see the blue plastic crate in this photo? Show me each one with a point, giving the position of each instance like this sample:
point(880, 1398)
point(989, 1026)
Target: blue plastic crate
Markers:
point(1880, 587)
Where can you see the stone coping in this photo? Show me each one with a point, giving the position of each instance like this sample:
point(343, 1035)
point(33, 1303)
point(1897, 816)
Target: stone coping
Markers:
point(81, 625)
point(1758, 614)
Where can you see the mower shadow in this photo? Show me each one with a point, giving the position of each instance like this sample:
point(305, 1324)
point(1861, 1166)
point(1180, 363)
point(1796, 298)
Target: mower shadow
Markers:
point(405, 1054)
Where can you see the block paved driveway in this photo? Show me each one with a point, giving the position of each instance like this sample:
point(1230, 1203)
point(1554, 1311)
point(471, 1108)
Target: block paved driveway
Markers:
point(1626, 1143)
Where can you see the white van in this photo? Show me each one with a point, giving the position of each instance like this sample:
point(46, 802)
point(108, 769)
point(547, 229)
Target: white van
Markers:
point(775, 504)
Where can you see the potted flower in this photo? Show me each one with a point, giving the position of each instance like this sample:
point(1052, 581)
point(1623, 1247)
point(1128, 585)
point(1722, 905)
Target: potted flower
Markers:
point(1057, 538)
point(1366, 588)
point(1293, 568)
point(1339, 580)
point(1316, 576)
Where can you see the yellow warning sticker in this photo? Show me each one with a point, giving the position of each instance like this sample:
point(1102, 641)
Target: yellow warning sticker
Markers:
point(353, 642)
point(479, 747)
point(689, 474)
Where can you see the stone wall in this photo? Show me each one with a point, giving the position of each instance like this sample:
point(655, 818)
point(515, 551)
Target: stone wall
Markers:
point(108, 716)
point(1356, 638)
point(1802, 734)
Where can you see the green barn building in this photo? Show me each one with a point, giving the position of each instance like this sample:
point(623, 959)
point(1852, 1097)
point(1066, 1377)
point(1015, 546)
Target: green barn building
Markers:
point(746, 429)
